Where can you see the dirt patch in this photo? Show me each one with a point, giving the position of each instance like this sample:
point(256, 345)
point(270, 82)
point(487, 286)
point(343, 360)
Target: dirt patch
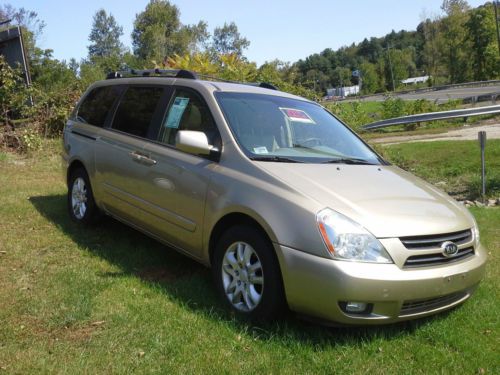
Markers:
point(83, 333)
point(462, 134)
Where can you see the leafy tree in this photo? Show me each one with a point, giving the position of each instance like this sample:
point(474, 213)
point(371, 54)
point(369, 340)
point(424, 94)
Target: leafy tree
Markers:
point(432, 53)
point(199, 62)
point(370, 50)
point(50, 74)
point(196, 37)
point(399, 65)
point(369, 78)
point(105, 36)
point(341, 76)
point(159, 34)
point(456, 46)
point(227, 40)
point(481, 33)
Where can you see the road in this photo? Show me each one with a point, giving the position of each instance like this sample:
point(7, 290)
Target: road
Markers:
point(462, 134)
point(441, 95)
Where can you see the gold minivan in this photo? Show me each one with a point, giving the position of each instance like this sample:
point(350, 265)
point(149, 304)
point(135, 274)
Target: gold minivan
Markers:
point(287, 205)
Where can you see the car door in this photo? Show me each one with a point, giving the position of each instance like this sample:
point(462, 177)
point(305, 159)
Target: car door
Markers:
point(121, 163)
point(178, 182)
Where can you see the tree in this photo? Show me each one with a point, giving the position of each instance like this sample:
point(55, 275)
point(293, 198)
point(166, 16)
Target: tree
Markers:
point(369, 79)
point(399, 65)
point(433, 52)
point(341, 76)
point(159, 34)
point(481, 32)
point(227, 40)
point(105, 36)
point(456, 42)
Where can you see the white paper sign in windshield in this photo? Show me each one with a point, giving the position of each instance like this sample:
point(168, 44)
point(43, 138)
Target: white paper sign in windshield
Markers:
point(297, 115)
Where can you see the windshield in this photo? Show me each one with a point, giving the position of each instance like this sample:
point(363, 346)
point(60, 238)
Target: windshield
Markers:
point(273, 128)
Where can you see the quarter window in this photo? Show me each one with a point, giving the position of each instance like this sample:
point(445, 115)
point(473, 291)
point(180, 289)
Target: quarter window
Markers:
point(136, 109)
point(96, 105)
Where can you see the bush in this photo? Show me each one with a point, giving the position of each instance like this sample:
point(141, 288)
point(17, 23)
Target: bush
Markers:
point(28, 113)
point(352, 113)
point(393, 107)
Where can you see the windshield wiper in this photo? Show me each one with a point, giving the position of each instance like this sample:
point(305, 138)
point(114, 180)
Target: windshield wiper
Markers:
point(349, 161)
point(279, 159)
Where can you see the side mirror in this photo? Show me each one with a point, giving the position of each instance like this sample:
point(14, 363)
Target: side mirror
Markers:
point(193, 142)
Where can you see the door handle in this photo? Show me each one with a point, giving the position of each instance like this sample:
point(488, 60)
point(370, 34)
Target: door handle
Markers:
point(148, 161)
point(135, 156)
point(143, 159)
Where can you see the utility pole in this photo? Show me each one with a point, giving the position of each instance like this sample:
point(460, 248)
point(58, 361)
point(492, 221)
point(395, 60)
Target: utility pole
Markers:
point(495, 3)
point(390, 66)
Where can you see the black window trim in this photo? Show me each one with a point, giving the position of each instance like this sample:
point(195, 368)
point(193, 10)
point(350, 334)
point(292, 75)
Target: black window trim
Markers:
point(155, 129)
point(172, 147)
point(164, 98)
point(111, 111)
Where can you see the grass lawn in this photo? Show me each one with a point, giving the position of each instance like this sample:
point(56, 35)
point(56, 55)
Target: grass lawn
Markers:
point(455, 166)
point(111, 300)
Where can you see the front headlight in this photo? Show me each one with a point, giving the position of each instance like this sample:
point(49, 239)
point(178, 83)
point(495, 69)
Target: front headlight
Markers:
point(347, 240)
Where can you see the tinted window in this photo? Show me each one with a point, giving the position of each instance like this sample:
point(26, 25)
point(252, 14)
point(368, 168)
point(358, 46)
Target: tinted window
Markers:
point(136, 109)
point(96, 105)
point(188, 111)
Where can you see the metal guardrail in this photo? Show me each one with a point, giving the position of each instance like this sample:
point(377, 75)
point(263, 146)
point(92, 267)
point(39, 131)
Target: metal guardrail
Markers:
point(432, 116)
point(491, 96)
point(429, 89)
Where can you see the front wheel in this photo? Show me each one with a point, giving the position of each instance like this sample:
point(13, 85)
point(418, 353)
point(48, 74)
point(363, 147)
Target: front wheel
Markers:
point(247, 274)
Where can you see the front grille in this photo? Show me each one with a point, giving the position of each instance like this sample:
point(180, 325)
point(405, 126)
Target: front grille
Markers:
point(423, 305)
point(436, 259)
point(435, 240)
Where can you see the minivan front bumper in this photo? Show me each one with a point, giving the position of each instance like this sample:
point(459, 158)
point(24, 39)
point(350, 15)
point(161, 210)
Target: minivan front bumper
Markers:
point(317, 287)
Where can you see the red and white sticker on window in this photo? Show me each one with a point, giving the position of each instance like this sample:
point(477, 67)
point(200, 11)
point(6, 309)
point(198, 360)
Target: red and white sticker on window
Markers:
point(297, 115)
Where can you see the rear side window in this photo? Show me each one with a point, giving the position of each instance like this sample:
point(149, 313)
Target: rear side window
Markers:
point(136, 109)
point(96, 105)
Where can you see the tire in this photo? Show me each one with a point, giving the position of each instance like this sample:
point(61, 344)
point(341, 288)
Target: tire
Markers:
point(254, 292)
point(81, 205)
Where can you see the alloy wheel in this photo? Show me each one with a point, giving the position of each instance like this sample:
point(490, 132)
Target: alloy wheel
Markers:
point(242, 276)
point(79, 198)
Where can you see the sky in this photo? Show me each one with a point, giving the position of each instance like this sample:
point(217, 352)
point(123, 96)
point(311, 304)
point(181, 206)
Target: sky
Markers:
point(286, 30)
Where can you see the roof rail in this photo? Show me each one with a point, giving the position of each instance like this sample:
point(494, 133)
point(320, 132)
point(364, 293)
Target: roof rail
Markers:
point(174, 73)
point(180, 73)
point(264, 85)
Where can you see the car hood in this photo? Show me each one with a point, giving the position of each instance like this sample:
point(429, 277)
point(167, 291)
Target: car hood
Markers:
point(386, 200)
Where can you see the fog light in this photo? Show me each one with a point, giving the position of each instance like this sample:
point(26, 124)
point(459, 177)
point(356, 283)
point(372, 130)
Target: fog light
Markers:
point(352, 307)
point(355, 307)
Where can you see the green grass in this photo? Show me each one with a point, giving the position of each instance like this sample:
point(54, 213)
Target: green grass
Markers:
point(454, 165)
point(111, 300)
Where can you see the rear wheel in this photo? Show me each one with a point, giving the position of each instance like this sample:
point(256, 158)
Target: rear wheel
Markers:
point(81, 204)
point(247, 274)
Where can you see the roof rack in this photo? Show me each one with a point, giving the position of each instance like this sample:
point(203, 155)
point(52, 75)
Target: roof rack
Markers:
point(180, 73)
point(264, 85)
point(174, 73)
